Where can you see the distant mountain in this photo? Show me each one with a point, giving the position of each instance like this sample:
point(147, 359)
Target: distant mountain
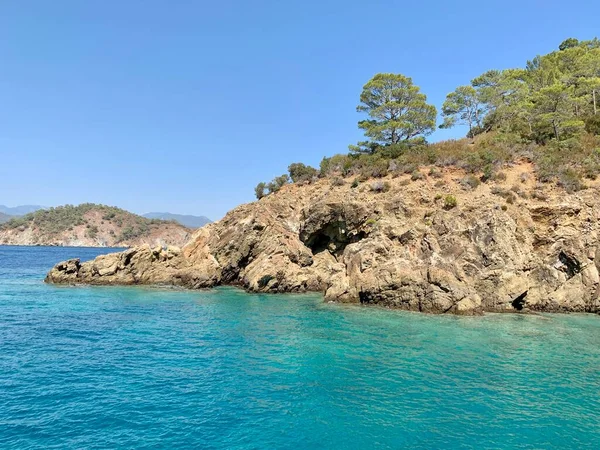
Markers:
point(183, 219)
point(90, 225)
point(4, 217)
point(20, 210)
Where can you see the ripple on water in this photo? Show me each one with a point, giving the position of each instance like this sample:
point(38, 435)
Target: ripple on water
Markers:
point(113, 367)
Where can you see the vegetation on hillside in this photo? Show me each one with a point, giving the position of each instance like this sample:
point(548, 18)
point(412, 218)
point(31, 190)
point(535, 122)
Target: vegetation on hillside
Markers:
point(547, 112)
point(54, 221)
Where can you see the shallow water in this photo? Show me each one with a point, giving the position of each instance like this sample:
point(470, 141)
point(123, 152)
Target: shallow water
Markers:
point(107, 367)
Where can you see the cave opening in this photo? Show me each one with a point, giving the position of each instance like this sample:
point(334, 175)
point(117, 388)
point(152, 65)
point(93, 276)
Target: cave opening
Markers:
point(519, 302)
point(334, 237)
point(572, 265)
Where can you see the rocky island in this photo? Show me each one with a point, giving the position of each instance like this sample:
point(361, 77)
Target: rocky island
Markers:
point(506, 219)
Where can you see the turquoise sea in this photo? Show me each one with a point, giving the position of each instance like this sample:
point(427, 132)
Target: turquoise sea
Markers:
point(108, 367)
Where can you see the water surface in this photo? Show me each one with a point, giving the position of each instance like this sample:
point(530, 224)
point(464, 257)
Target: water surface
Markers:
point(107, 367)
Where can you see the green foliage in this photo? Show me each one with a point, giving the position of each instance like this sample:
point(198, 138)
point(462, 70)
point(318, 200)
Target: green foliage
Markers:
point(278, 182)
point(554, 97)
point(470, 181)
point(380, 186)
point(301, 172)
point(464, 106)
point(435, 172)
point(568, 43)
point(338, 181)
point(397, 112)
point(416, 175)
point(54, 221)
point(336, 164)
point(570, 180)
point(450, 202)
point(92, 231)
point(560, 160)
point(592, 124)
point(260, 189)
point(263, 189)
point(547, 112)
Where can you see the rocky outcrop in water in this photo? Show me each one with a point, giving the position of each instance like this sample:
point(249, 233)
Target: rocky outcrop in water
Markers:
point(506, 246)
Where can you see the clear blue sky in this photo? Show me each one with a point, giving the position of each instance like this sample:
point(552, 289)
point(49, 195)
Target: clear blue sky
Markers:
point(183, 106)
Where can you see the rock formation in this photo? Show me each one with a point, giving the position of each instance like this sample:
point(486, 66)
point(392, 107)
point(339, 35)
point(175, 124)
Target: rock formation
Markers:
point(510, 245)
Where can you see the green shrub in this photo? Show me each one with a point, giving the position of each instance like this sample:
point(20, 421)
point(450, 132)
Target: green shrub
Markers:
point(499, 176)
point(470, 181)
point(370, 222)
point(337, 181)
point(450, 202)
point(592, 124)
point(278, 182)
point(570, 181)
point(336, 163)
point(380, 186)
point(416, 175)
point(92, 231)
point(435, 172)
point(259, 190)
point(301, 172)
point(370, 166)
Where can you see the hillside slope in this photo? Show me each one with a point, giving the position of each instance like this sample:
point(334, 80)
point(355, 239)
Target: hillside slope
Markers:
point(90, 225)
point(432, 243)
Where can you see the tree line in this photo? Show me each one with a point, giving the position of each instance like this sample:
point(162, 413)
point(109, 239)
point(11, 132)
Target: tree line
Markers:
point(555, 98)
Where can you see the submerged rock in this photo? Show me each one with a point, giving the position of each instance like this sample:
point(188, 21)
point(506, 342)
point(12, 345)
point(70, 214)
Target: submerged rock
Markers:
point(402, 249)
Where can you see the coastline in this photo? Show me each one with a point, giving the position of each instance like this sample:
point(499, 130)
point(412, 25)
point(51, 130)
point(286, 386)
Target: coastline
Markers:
point(320, 294)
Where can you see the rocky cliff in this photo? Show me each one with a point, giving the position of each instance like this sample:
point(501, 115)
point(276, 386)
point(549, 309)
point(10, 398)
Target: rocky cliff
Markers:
point(441, 244)
point(90, 225)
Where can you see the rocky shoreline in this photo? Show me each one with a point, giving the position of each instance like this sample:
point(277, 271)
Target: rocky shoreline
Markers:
point(403, 247)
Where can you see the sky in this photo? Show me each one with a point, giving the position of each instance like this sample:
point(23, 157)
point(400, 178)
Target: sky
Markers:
point(184, 106)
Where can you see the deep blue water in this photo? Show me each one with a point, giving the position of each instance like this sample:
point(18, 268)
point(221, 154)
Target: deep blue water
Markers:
point(107, 367)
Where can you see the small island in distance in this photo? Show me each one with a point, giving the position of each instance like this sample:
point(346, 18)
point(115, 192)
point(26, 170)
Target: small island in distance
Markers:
point(92, 225)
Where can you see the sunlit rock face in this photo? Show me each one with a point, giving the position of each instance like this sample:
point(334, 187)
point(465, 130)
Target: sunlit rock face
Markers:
point(403, 248)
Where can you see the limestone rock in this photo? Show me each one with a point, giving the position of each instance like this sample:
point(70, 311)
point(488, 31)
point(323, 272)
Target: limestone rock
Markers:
point(398, 249)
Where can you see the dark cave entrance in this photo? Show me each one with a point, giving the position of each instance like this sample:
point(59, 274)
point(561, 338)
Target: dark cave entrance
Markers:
point(572, 266)
point(333, 237)
point(519, 302)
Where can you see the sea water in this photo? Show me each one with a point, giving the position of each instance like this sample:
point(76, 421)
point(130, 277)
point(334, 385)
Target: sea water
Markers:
point(134, 367)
